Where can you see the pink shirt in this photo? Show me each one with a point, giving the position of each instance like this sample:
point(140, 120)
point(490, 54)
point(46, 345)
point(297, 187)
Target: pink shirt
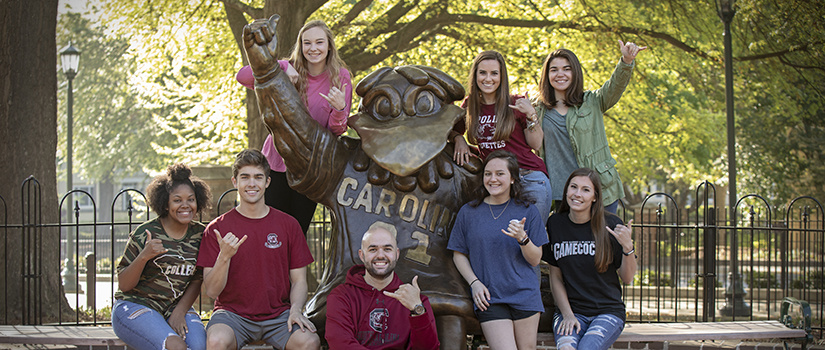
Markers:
point(319, 108)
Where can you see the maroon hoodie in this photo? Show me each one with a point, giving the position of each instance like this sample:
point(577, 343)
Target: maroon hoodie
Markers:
point(362, 317)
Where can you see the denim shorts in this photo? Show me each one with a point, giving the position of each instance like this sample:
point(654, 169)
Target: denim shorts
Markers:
point(143, 328)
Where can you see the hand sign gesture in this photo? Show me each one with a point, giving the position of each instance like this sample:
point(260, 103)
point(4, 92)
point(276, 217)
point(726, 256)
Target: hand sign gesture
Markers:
point(152, 247)
point(336, 97)
point(523, 105)
point(229, 244)
point(516, 229)
point(629, 51)
point(624, 234)
point(261, 44)
point(409, 294)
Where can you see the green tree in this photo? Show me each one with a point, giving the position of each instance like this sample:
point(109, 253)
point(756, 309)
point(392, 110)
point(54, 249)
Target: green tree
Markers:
point(669, 126)
point(111, 123)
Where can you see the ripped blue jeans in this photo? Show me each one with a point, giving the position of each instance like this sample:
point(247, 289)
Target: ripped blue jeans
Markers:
point(597, 332)
point(145, 329)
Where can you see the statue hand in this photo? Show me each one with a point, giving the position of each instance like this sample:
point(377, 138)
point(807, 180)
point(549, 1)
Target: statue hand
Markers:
point(261, 44)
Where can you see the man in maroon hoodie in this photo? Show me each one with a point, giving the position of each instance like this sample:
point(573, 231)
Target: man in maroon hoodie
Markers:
point(372, 309)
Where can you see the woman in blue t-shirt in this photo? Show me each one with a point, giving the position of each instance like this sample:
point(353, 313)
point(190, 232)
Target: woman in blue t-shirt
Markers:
point(496, 243)
point(589, 251)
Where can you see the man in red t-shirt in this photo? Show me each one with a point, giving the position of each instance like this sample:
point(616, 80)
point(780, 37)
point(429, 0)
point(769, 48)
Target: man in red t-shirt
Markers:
point(254, 262)
point(372, 309)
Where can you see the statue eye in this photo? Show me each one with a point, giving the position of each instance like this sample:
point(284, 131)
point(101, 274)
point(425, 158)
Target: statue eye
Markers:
point(382, 106)
point(425, 103)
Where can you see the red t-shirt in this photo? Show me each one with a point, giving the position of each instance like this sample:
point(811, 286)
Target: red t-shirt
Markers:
point(517, 143)
point(257, 284)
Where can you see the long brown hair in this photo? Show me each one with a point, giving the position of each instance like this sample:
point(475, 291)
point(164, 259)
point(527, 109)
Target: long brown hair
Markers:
point(333, 62)
point(505, 119)
point(604, 250)
point(574, 96)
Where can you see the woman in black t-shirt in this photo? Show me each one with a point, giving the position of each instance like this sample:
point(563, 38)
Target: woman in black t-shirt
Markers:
point(589, 251)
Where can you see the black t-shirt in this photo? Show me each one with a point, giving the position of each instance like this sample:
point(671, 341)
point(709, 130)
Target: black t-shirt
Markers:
point(573, 250)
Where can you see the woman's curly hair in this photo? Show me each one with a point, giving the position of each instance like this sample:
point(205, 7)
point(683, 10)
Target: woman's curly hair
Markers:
point(177, 174)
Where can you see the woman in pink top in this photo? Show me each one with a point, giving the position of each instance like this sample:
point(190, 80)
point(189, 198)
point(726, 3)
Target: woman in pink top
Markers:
point(324, 83)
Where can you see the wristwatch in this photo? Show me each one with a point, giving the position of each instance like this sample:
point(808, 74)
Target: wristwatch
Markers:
point(418, 310)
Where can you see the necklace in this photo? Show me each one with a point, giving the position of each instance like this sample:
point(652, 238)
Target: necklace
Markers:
point(499, 214)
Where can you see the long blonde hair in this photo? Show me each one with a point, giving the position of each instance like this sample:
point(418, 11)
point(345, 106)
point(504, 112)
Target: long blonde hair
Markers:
point(333, 62)
point(505, 119)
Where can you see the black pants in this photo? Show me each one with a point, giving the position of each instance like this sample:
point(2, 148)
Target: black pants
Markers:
point(282, 197)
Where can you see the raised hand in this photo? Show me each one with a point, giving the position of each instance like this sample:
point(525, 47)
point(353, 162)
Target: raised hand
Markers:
point(229, 244)
point(409, 294)
point(624, 234)
point(336, 97)
point(629, 51)
point(152, 247)
point(516, 229)
point(261, 44)
point(523, 105)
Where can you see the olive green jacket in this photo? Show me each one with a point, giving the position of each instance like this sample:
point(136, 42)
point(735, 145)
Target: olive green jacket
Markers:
point(585, 126)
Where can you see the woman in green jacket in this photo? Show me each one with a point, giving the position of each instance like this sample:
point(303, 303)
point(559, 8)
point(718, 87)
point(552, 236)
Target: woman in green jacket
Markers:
point(573, 120)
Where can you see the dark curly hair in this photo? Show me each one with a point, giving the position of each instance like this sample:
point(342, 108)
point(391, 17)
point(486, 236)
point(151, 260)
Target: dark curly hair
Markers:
point(177, 174)
point(516, 189)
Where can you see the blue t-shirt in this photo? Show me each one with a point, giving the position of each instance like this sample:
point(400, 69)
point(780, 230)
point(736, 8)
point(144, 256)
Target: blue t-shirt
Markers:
point(496, 258)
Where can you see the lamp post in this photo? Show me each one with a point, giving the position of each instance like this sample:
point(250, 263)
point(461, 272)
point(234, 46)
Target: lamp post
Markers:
point(69, 59)
point(735, 292)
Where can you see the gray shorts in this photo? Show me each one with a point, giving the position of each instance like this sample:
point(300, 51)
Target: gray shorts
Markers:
point(274, 331)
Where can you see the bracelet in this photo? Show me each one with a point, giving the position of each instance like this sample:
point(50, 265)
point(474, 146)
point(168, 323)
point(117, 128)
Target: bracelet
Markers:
point(525, 241)
point(630, 252)
point(474, 281)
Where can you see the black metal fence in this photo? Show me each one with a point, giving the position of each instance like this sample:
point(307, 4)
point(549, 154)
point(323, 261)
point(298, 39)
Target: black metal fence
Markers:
point(696, 263)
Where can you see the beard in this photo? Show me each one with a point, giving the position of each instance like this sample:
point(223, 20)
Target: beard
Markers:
point(381, 274)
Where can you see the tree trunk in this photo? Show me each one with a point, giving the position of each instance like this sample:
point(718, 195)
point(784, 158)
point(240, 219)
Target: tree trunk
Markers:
point(31, 291)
